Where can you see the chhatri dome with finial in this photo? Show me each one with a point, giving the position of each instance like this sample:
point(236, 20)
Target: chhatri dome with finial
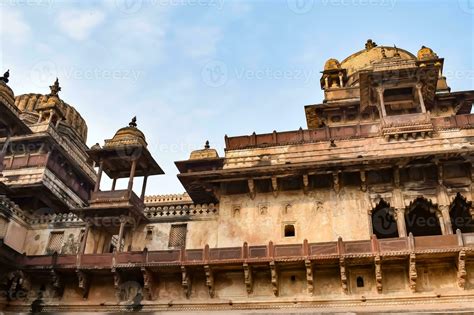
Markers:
point(129, 135)
point(206, 153)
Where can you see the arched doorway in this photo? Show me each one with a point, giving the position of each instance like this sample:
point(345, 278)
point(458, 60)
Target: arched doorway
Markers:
point(421, 218)
point(460, 214)
point(384, 224)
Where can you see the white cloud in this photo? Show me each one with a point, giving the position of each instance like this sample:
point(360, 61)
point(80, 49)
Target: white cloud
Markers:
point(199, 41)
point(13, 27)
point(78, 24)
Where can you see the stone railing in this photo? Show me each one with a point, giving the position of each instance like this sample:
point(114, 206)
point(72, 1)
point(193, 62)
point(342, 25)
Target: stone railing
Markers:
point(167, 199)
point(465, 121)
point(329, 252)
point(181, 211)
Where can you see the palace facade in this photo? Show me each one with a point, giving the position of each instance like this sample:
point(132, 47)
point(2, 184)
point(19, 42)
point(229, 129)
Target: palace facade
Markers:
point(367, 209)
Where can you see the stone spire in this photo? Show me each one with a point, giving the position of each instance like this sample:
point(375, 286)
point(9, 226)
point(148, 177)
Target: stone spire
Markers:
point(55, 88)
point(5, 77)
point(133, 122)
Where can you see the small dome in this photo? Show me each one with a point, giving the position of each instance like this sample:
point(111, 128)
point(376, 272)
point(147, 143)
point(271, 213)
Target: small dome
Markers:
point(130, 135)
point(206, 153)
point(426, 53)
point(332, 64)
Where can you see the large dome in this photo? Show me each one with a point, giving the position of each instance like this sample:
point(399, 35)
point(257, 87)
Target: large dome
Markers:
point(364, 59)
point(31, 103)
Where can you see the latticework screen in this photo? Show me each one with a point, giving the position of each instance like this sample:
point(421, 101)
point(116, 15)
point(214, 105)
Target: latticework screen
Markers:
point(177, 236)
point(55, 242)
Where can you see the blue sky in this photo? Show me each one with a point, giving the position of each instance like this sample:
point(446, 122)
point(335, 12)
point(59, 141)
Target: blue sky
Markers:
point(195, 70)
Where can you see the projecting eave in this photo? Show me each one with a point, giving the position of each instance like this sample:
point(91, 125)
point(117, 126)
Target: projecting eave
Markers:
point(463, 99)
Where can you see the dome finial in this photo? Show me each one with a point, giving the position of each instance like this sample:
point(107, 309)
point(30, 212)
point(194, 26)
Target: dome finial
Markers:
point(55, 88)
point(5, 77)
point(207, 146)
point(133, 123)
point(370, 44)
point(397, 54)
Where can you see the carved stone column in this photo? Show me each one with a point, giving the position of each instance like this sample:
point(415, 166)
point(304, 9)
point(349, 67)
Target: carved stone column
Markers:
point(123, 221)
point(399, 215)
point(447, 219)
point(380, 91)
point(420, 96)
point(441, 222)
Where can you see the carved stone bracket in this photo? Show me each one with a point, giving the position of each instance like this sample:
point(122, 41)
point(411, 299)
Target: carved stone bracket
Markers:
point(57, 283)
point(363, 181)
point(462, 274)
point(274, 274)
point(209, 280)
point(336, 182)
point(186, 281)
point(309, 276)
point(84, 283)
point(251, 185)
point(378, 273)
point(17, 281)
point(117, 284)
point(305, 183)
point(248, 277)
point(342, 267)
point(412, 272)
point(275, 186)
point(148, 284)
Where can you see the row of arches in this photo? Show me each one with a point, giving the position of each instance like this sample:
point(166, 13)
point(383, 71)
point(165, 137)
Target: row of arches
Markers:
point(422, 218)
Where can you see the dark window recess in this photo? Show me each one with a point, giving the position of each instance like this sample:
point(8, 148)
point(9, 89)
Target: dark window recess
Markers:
point(289, 230)
point(360, 282)
point(177, 236)
point(149, 235)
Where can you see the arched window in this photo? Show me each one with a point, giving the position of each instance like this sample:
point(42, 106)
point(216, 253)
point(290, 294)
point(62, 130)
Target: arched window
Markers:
point(460, 214)
point(384, 224)
point(421, 219)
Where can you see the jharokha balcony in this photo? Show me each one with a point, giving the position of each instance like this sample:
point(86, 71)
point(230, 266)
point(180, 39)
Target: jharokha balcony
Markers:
point(309, 257)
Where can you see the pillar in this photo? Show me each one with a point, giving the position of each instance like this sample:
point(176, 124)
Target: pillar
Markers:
point(420, 96)
point(142, 196)
point(401, 226)
point(441, 222)
point(447, 219)
point(132, 175)
point(382, 104)
point(99, 176)
point(120, 236)
point(84, 240)
point(114, 182)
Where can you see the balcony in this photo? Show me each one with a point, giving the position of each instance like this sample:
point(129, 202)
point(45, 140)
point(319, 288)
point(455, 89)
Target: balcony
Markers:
point(112, 203)
point(407, 125)
point(325, 253)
